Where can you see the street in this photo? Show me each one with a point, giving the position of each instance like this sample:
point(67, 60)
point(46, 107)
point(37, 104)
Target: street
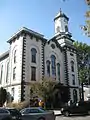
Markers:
point(78, 117)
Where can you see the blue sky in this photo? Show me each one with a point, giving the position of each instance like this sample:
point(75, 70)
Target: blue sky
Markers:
point(38, 15)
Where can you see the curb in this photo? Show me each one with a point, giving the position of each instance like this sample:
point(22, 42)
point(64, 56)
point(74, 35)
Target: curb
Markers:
point(57, 112)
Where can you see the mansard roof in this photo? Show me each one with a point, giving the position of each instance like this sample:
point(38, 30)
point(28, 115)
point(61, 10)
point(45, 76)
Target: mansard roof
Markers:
point(28, 31)
point(4, 55)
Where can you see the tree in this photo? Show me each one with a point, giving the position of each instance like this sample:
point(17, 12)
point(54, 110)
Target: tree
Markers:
point(3, 96)
point(83, 59)
point(86, 28)
point(44, 90)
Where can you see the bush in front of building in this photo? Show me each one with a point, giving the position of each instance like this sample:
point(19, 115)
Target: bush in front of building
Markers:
point(19, 105)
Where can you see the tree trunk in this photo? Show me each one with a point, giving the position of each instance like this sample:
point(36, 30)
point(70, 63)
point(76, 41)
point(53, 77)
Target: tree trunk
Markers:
point(82, 91)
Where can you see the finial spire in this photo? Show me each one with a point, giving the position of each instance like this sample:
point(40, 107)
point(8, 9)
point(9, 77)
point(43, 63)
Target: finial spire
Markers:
point(60, 10)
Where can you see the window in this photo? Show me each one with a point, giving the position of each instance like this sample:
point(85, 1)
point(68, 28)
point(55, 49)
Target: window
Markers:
point(14, 73)
point(75, 95)
point(33, 73)
point(72, 66)
point(33, 55)
point(48, 67)
point(13, 92)
point(58, 29)
point(53, 46)
point(71, 54)
point(53, 64)
point(7, 72)
point(58, 71)
point(1, 74)
point(66, 28)
point(73, 79)
point(15, 56)
point(3, 111)
point(34, 111)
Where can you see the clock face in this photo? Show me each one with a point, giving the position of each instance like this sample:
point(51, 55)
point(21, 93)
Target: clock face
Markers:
point(58, 29)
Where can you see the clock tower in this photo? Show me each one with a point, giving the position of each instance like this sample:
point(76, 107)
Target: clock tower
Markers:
point(61, 23)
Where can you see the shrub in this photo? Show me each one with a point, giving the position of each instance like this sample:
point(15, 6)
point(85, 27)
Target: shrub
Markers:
point(19, 105)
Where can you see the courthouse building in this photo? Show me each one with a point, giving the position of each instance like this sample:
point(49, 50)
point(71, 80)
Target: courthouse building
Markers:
point(31, 57)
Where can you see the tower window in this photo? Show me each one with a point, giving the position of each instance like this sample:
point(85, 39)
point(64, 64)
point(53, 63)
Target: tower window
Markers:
point(66, 28)
point(58, 29)
point(33, 73)
point(33, 55)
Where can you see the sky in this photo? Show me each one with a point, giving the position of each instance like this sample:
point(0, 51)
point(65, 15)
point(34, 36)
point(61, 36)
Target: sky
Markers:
point(38, 15)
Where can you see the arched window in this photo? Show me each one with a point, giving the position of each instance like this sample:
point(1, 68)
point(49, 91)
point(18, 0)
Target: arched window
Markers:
point(66, 28)
point(48, 67)
point(72, 66)
point(58, 71)
point(33, 55)
point(15, 56)
point(53, 65)
point(7, 72)
point(74, 95)
point(1, 74)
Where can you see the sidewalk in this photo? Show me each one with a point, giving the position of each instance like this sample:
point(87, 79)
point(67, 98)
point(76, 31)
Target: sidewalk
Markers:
point(57, 112)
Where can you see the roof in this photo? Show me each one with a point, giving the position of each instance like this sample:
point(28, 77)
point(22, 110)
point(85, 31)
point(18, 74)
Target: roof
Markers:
point(26, 30)
point(4, 55)
point(60, 14)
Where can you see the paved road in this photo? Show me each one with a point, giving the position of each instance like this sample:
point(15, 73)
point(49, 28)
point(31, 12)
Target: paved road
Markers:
point(73, 118)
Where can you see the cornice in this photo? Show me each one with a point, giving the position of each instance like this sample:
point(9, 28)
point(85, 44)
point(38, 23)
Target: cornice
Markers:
point(25, 30)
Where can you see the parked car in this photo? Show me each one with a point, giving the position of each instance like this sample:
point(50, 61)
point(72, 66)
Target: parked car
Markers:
point(76, 108)
point(15, 114)
point(4, 114)
point(37, 113)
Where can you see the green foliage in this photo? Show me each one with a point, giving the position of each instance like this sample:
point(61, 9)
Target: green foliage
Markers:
point(3, 96)
point(83, 59)
point(82, 74)
point(86, 28)
point(44, 89)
